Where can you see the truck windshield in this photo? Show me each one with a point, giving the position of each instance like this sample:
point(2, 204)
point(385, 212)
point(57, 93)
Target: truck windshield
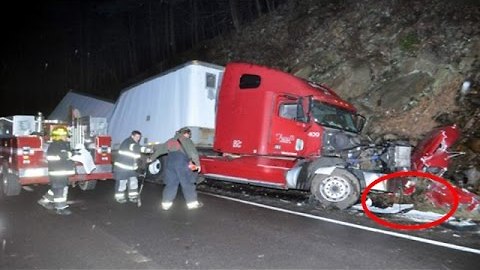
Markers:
point(334, 117)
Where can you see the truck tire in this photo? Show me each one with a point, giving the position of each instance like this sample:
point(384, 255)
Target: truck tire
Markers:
point(340, 189)
point(87, 185)
point(155, 171)
point(10, 185)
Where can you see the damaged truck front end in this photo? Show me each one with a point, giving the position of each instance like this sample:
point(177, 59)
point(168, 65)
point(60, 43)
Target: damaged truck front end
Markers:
point(349, 162)
point(432, 155)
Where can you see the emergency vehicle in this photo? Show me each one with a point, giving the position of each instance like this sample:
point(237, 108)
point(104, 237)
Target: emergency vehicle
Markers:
point(24, 140)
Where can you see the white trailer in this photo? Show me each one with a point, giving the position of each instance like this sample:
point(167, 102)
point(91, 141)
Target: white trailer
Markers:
point(159, 106)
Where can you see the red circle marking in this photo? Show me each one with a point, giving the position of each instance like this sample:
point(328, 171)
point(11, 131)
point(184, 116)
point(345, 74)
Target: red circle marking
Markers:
point(453, 197)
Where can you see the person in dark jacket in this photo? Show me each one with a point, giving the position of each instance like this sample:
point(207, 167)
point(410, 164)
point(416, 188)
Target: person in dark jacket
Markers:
point(182, 156)
point(125, 168)
point(60, 167)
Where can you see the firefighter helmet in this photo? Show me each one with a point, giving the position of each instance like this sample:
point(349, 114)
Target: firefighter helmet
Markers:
point(59, 133)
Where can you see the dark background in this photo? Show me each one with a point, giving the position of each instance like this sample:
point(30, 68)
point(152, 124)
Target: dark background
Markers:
point(100, 47)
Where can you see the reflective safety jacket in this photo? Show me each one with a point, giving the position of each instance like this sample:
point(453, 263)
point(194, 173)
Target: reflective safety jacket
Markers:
point(58, 157)
point(128, 155)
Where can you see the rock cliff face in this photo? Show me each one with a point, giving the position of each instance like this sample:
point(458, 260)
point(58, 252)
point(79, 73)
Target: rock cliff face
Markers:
point(401, 63)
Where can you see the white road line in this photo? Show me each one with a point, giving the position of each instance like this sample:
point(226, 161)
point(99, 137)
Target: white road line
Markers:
point(361, 227)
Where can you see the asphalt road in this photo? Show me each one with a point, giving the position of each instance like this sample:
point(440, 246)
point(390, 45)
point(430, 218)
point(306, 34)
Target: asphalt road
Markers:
point(224, 234)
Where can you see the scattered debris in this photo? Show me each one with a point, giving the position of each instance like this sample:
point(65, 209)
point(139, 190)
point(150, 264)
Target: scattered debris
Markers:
point(394, 209)
point(462, 225)
point(421, 216)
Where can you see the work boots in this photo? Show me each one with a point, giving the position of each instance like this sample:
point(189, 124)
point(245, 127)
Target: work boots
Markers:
point(63, 212)
point(194, 205)
point(46, 203)
point(166, 205)
point(121, 200)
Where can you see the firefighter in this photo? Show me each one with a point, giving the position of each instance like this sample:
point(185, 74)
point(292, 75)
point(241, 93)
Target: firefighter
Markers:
point(60, 167)
point(181, 159)
point(125, 168)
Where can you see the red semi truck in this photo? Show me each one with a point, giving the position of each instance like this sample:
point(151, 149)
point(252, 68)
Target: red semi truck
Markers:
point(25, 138)
point(276, 130)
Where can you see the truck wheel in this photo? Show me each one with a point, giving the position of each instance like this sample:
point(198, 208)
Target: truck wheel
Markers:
point(87, 185)
point(155, 171)
point(339, 190)
point(10, 184)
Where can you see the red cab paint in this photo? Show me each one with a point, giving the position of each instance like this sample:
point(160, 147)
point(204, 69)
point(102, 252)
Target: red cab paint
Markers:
point(432, 155)
point(432, 152)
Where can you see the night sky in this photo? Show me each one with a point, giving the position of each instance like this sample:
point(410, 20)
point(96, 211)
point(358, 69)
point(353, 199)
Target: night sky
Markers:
point(33, 35)
point(100, 47)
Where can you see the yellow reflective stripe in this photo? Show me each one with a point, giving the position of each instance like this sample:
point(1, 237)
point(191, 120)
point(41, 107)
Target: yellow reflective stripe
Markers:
point(167, 205)
point(59, 199)
point(53, 158)
point(129, 154)
point(124, 166)
point(59, 173)
point(193, 204)
point(131, 147)
point(145, 149)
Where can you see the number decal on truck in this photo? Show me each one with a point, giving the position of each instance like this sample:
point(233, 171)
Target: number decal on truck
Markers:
point(237, 144)
point(314, 134)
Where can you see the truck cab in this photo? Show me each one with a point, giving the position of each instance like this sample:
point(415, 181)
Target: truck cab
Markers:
point(277, 130)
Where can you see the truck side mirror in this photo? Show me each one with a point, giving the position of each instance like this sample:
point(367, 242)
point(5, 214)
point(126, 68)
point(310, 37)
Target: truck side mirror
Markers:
point(310, 107)
point(301, 116)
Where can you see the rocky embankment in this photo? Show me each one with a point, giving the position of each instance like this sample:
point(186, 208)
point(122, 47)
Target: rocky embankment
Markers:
point(402, 65)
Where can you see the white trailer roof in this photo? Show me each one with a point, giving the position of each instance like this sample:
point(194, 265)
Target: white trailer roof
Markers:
point(86, 105)
point(158, 106)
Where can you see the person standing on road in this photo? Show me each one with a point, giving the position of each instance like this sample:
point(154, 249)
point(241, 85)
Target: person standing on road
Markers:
point(182, 156)
point(125, 168)
point(60, 167)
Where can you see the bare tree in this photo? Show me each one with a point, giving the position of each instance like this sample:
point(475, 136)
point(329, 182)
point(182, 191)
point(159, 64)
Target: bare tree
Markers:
point(195, 15)
point(132, 51)
point(152, 37)
point(258, 7)
point(234, 14)
point(171, 23)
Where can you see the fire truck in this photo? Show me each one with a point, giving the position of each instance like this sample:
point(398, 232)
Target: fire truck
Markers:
point(25, 138)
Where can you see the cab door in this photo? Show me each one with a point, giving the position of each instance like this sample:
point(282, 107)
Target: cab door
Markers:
point(289, 126)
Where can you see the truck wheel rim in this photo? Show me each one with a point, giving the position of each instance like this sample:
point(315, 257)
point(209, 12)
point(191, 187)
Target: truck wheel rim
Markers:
point(335, 189)
point(154, 167)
